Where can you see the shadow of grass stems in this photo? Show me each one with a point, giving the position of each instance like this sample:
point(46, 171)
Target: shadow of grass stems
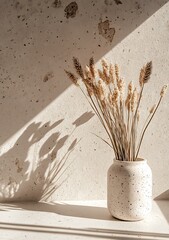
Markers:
point(57, 169)
point(55, 172)
point(23, 180)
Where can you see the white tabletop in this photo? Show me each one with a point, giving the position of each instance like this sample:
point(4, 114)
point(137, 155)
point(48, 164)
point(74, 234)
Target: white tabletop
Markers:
point(78, 220)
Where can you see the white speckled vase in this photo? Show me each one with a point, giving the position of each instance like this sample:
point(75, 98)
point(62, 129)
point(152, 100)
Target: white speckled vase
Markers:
point(129, 189)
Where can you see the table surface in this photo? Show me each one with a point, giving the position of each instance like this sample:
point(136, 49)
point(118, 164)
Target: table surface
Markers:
point(78, 220)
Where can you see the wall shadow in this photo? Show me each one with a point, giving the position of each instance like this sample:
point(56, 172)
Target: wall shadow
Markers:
point(39, 40)
point(164, 207)
point(163, 196)
point(163, 202)
point(25, 179)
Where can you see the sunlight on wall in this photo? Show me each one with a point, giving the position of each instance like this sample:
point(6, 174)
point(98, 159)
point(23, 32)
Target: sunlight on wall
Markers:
point(43, 116)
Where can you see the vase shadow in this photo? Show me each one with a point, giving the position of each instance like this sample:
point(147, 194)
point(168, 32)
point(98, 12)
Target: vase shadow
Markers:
point(65, 209)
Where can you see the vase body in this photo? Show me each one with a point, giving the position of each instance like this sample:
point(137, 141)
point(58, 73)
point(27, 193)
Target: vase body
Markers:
point(129, 189)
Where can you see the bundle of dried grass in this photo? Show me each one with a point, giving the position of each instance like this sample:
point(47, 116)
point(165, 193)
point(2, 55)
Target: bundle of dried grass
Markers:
point(117, 112)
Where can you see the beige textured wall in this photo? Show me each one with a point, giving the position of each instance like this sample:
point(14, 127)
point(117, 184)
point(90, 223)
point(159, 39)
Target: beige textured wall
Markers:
point(42, 114)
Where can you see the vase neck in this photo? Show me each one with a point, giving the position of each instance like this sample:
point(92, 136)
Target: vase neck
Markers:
point(137, 162)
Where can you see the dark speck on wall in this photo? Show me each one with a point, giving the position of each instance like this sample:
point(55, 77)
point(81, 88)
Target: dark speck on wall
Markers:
point(110, 2)
point(17, 5)
point(118, 2)
point(137, 5)
point(57, 4)
point(19, 168)
point(71, 9)
point(105, 30)
point(48, 76)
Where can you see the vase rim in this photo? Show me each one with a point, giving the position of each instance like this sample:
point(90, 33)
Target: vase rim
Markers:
point(139, 160)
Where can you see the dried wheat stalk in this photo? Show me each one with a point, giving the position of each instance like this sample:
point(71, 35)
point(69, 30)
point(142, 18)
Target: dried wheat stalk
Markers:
point(119, 114)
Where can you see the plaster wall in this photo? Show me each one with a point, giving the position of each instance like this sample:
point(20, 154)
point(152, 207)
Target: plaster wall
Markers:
point(45, 119)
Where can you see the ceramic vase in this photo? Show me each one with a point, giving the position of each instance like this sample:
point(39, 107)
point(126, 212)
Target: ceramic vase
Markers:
point(129, 189)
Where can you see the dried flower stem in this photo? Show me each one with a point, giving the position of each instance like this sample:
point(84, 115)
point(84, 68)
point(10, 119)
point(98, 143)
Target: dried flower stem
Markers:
point(105, 94)
point(145, 128)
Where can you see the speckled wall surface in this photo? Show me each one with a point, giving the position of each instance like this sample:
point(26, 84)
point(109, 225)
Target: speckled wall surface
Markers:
point(43, 115)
